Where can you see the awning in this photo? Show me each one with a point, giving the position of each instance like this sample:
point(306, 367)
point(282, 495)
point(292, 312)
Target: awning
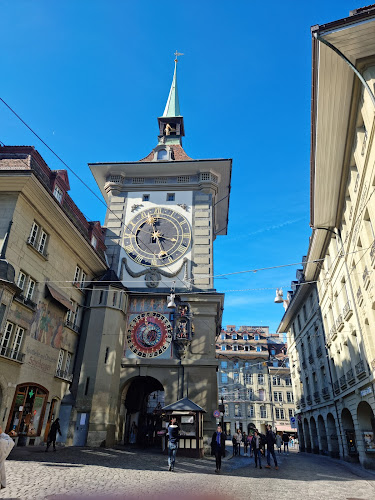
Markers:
point(285, 428)
point(59, 296)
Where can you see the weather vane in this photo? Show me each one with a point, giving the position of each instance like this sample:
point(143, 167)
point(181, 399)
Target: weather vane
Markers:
point(177, 54)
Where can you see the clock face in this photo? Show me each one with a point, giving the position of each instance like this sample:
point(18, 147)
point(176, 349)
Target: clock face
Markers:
point(149, 334)
point(157, 237)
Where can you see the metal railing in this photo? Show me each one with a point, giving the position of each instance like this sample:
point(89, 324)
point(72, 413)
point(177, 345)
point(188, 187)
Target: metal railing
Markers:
point(6, 352)
point(359, 295)
point(336, 387)
point(350, 375)
point(316, 396)
point(347, 309)
point(308, 400)
point(311, 359)
point(343, 381)
point(339, 322)
point(319, 352)
point(64, 375)
point(360, 368)
point(325, 392)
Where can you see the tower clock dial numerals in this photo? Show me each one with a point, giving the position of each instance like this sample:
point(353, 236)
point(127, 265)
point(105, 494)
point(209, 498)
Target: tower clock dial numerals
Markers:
point(149, 335)
point(157, 237)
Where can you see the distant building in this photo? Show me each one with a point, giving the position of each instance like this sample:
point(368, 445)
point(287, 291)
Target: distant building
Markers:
point(253, 370)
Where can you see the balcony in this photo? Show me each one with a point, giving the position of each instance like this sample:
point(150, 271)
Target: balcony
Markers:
point(71, 325)
point(316, 396)
point(319, 352)
point(303, 402)
point(27, 302)
point(343, 382)
point(372, 255)
point(298, 404)
point(366, 278)
point(311, 359)
point(359, 296)
point(336, 388)
point(350, 376)
point(339, 323)
point(309, 400)
point(325, 393)
point(347, 311)
point(6, 352)
point(68, 377)
point(360, 369)
point(333, 333)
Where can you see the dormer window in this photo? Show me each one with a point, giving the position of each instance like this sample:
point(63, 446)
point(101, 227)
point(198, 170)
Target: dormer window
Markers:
point(58, 193)
point(256, 337)
point(162, 154)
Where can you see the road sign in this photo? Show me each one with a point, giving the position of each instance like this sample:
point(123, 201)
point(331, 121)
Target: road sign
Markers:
point(216, 414)
point(293, 424)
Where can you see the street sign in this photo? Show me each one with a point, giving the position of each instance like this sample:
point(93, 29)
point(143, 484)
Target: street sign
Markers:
point(216, 414)
point(293, 424)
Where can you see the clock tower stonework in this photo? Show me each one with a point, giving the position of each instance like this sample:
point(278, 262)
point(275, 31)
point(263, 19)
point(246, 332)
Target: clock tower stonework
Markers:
point(164, 213)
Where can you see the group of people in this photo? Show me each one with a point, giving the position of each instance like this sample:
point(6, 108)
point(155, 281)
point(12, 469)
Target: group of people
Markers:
point(240, 437)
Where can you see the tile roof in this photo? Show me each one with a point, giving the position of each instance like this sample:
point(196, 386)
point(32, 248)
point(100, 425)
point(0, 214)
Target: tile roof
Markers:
point(177, 152)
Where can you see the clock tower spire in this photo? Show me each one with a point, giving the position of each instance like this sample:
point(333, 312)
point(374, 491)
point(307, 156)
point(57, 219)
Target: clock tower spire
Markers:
point(171, 124)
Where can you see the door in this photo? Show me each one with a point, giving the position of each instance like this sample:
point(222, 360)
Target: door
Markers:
point(81, 429)
point(51, 418)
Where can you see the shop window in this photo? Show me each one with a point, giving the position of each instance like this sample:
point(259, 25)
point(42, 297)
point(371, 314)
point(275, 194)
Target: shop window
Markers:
point(27, 412)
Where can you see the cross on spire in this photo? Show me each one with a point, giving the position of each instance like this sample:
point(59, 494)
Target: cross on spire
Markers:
point(177, 54)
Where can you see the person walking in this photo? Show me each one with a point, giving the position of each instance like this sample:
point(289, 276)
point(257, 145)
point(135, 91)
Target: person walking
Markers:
point(285, 439)
point(279, 442)
point(55, 428)
point(239, 440)
point(256, 445)
point(218, 447)
point(234, 442)
point(270, 441)
point(249, 439)
point(245, 443)
point(6, 446)
point(173, 437)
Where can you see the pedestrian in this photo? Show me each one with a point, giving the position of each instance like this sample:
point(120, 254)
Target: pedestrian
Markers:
point(245, 443)
point(239, 440)
point(270, 440)
point(173, 437)
point(133, 433)
point(218, 447)
point(234, 442)
point(55, 428)
point(256, 445)
point(291, 442)
point(249, 439)
point(279, 442)
point(6, 445)
point(285, 439)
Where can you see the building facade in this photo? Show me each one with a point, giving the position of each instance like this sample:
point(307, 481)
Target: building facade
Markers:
point(341, 252)
point(253, 379)
point(49, 251)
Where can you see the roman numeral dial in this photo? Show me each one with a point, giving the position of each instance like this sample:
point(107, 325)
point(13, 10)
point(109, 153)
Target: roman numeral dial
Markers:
point(157, 237)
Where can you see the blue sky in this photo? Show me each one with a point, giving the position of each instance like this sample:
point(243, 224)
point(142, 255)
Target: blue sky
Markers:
point(91, 77)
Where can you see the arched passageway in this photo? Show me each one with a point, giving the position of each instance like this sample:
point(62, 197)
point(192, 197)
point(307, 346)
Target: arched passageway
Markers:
point(314, 436)
point(350, 438)
point(143, 402)
point(333, 440)
point(366, 422)
point(306, 432)
point(323, 436)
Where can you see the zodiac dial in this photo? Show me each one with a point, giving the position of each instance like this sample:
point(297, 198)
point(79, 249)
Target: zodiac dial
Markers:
point(157, 237)
point(149, 334)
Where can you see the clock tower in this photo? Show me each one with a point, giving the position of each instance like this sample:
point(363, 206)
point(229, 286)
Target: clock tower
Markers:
point(164, 213)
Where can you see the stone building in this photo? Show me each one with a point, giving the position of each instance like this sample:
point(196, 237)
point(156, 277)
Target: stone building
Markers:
point(253, 370)
point(49, 251)
point(341, 252)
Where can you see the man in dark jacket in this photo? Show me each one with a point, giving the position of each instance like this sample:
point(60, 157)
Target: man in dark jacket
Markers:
point(173, 437)
point(218, 447)
point(285, 438)
point(256, 446)
point(55, 428)
point(270, 441)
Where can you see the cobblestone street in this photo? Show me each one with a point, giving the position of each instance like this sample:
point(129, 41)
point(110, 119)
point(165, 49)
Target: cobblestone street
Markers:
point(133, 474)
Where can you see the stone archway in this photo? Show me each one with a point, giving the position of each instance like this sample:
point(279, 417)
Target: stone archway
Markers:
point(366, 423)
point(323, 436)
point(306, 431)
point(314, 436)
point(333, 440)
point(143, 398)
point(350, 438)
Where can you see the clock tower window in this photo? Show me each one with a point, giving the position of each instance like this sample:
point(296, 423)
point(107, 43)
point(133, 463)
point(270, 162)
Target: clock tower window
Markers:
point(162, 154)
point(146, 197)
point(170, 197)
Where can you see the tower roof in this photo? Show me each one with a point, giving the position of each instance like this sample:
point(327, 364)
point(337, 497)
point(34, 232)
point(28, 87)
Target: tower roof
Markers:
point(172, 107)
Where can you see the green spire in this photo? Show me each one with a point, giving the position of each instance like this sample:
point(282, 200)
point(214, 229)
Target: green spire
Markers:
point(172, 107)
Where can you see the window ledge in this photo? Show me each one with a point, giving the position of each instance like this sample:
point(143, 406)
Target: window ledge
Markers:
point(68, 377)
point(16, 356)
point(26, 302)
point(43, 255)
point(71, 326)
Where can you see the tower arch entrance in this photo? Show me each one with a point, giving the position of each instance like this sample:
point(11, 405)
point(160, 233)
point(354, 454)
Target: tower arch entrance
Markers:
point(143, 399)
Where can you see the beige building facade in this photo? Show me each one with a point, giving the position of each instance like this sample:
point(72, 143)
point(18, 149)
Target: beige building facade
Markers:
point(48, 253)
point(341, 252)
